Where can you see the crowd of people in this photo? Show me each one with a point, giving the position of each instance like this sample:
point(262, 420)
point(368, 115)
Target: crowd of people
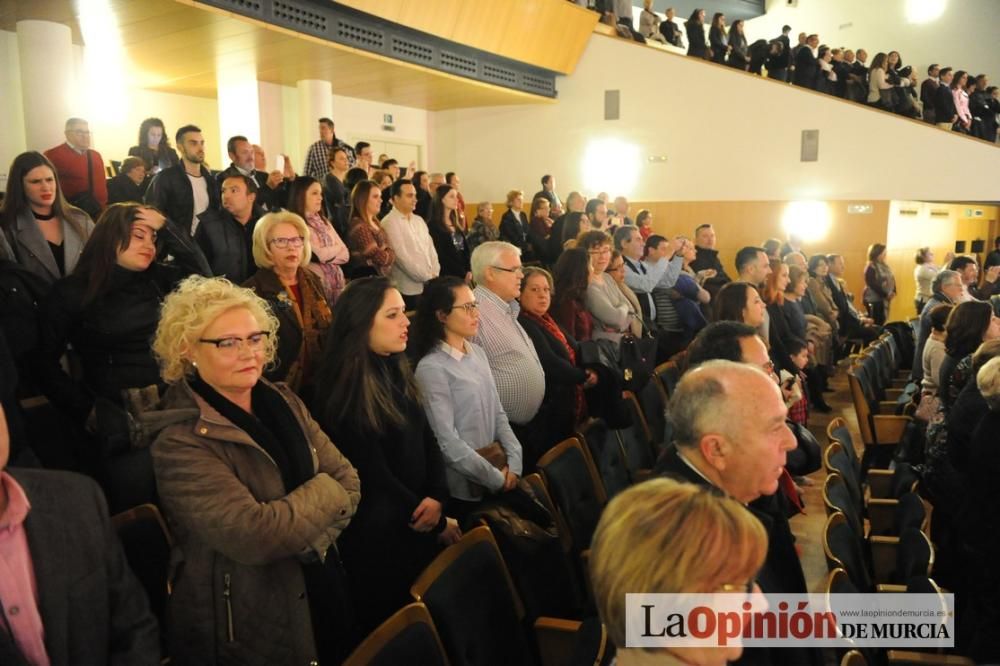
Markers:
point(951, 98)
point(323, 379)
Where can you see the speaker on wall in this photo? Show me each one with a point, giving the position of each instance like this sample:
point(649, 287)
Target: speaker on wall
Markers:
point(959, 247)
point(978, 246)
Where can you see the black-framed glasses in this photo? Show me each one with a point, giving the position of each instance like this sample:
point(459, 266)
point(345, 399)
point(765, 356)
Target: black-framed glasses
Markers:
point(516, 269)
point(470, 307)
point(232, 344)
point(283, 243)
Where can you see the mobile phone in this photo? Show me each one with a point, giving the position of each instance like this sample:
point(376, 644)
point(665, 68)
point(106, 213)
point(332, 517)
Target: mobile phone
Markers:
point(279, 162)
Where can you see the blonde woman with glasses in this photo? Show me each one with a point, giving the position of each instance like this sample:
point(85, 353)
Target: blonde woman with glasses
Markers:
point(295, 296)
point(255, 493)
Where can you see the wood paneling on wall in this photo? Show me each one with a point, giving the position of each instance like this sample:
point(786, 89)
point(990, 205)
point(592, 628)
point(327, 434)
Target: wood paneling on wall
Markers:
point(741, 223)
point(547, 33)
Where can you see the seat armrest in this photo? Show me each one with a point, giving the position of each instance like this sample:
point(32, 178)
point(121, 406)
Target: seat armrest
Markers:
point(880, 516)
point(927, 659)
point(879, 482)
point(889, 588)
point(556, 638)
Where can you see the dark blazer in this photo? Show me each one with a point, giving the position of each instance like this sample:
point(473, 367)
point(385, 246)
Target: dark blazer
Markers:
point(453, 261)
point(783, 61)
point(170, 192)
point(779, 335)
point(944, 104)
point(227, 244)
point(267, 199)
point(719, 43)
point(338, 204)
point(782, 570)
point(671, 32)
point(806, 68)
point(122, 188)
point(561, 378)
point(514, 230)
point(859, 70)
point(927, 90)
point(93, 609)
point(704, 259)
point(696, 39)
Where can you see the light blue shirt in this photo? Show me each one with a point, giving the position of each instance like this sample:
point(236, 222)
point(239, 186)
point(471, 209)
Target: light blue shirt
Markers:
point(465, 413)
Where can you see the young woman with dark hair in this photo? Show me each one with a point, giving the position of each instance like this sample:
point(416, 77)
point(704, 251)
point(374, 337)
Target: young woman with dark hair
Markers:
point(329, 253)
point(45, 233)
point(373, 410)
point(718, 38)
point(153, 147)
point(367, 241)
point(695, 29)
point(481, 453)
point(739, 301)
point(449, 238)
point(571, 275)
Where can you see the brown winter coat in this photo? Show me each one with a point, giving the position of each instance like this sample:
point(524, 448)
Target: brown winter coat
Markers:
point(238, 589)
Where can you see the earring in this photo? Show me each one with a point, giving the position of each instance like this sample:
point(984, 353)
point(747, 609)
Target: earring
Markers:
point(194, 364)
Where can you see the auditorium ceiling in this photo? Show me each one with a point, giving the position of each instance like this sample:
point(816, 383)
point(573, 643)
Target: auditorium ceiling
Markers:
point(179, 47)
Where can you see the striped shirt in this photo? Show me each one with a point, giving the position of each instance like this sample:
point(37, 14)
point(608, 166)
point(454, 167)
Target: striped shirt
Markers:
point(516, 369)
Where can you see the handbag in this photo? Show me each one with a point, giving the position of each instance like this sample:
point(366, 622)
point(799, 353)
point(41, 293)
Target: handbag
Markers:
point(637, 360)
point(494, 455)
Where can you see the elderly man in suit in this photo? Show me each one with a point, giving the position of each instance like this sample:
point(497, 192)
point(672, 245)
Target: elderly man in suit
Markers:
point(66, 593)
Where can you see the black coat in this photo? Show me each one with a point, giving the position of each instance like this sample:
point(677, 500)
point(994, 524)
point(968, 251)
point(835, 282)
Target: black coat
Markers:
point(671, 33)
point(514, 230)
point(267, 199)
point(111, 337)
point(338, 204)
point(944, 104)
point(454, 261)
point(696, 39)
point(561, 379)
point(381, 553)
point(717, 40)
point(704, 259)
point(122, 188)
point(227, 244)
point(806, 68)
point(170, 192)
point(782, 570)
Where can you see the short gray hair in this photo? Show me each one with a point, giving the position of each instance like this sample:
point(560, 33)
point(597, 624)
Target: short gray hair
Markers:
point(487, 254)
point(71, 122)
point(623, 234)
point(699, 404)
point(942, 277)
point(988, 381)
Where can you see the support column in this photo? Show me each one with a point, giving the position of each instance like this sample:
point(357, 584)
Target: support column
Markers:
point(239, 106)
point(315, 102)
point(12, 140)
point(45, 52)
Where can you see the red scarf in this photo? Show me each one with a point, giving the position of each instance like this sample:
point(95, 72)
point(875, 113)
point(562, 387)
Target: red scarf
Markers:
point(552, 328)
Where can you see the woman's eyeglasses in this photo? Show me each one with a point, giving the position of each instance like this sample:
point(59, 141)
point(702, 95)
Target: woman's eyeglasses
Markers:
point(470, 307)
point(283, 243)
point(232, 344)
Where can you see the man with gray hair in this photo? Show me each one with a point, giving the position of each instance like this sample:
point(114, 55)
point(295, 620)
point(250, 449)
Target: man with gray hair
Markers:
point(947, 289)
point(730, 435)
point(80, 169)
point(520, 380)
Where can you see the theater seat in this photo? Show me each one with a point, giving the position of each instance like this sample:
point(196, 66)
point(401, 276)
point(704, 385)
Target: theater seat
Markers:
point(408, 637)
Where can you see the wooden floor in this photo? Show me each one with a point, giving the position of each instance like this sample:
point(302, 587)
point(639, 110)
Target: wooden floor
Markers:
point(808, 528)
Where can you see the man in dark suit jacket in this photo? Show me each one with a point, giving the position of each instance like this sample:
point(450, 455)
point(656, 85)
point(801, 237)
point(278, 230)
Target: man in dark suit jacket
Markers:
point(268, 185)
point(945, 113)
point(736, 445)
point(84, 606)
point(778, 64)
point(806, 65)
point(927, 90)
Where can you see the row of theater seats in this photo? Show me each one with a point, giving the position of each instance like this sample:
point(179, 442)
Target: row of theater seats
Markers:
point(877, 534)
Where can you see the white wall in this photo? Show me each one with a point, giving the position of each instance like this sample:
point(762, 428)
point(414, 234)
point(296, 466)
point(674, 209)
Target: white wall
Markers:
point(963, 37)
point(727, 135)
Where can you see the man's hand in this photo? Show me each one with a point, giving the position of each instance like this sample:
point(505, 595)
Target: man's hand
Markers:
point(274, 179)
point(426, 516)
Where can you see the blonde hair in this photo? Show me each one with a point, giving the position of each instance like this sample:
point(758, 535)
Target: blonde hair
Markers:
point(191, 308)
point(513, 194)
point(988, 381)
point(666, 537)
point(265, 224)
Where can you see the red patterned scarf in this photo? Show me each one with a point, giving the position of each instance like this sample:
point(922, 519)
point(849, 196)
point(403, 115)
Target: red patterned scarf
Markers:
point(552, 328)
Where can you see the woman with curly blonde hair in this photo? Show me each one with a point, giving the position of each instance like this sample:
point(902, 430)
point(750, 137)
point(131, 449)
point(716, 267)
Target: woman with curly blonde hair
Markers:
point(256, 494)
